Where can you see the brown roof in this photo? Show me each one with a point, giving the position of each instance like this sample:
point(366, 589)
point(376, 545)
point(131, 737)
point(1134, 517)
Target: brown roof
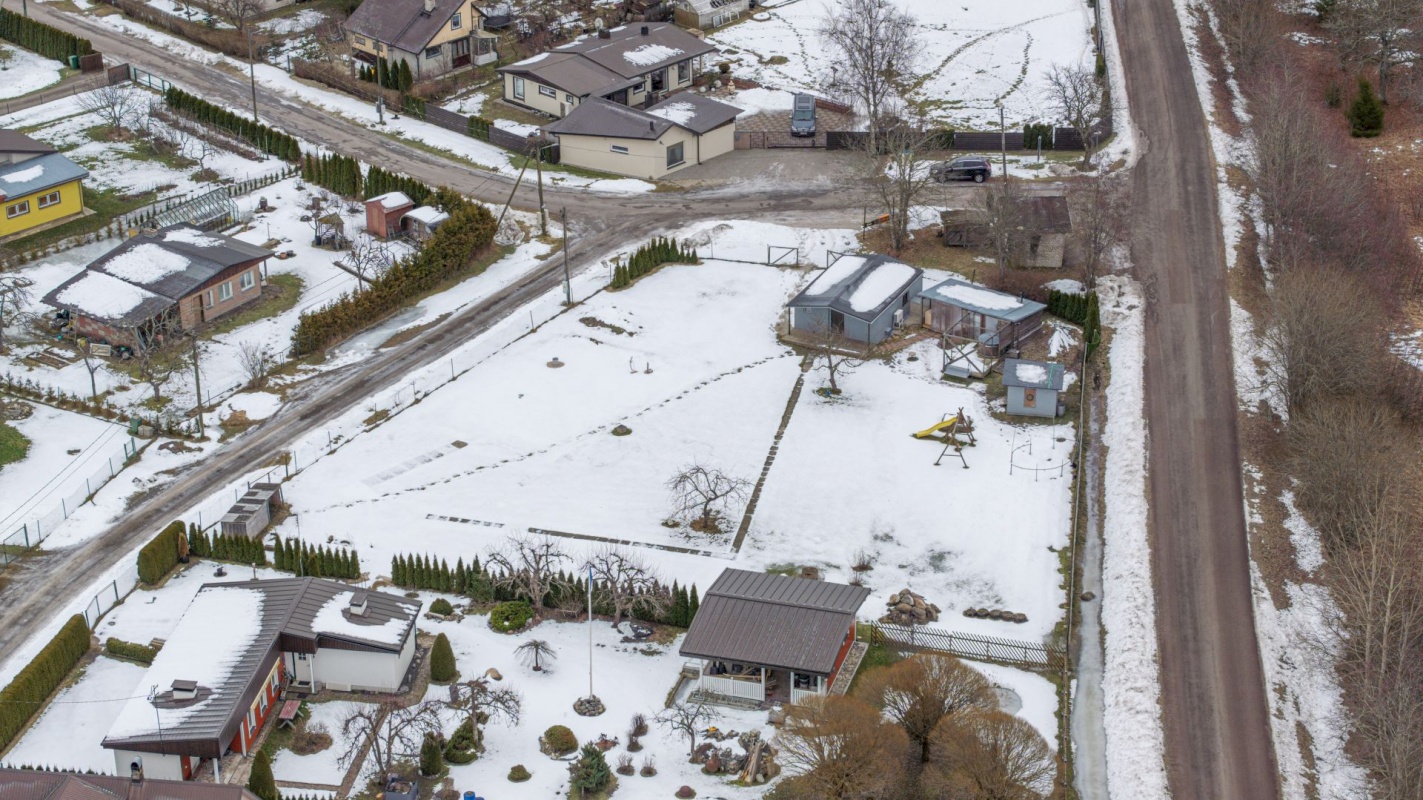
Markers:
point(571, 73)
point(773, 621)
point(404, 24)
point(1048, 214)
point(594, 65)
point(16, 142)
point(18, 784)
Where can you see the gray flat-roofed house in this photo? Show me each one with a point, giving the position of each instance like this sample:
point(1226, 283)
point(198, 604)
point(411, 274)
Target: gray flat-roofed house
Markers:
point(764, 638)
point(967, 311)
point(1034, 387)
point(861, 297)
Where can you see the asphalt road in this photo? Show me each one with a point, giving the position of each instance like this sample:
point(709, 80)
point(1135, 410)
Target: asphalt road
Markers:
point(1216, 718)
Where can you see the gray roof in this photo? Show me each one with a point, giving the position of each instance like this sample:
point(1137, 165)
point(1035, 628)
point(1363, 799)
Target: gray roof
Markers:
point(837, 285)
point(774, 621)
point(594, 65)
point(404, 24)
point(1047, 213)
point(983, 300)
point(203, 262)
point(571, 73)
point(23, 784)
point(598, 117)
point(16, 142)
point(695, 112)
point(1052, 374)
point(37, 174)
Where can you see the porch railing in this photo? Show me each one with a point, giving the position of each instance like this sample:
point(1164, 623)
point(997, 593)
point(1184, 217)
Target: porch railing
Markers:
point(747, 688)
point(799, 696)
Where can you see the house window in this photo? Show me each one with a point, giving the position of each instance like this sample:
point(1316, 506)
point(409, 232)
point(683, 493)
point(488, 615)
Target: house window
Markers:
point(548, 91)
point(224, 292)
point(361, 40)
point(1030, 398)
point(51, 199)
point(262, 703)
point(380, 48)
point(620, 149)
point(568, 98)
point(432, 52)
point(18, 209)
point(518, 87)
point(456, 21)
point(207, 298)
point(674, 154)
point(247, 281)
point(684, 71)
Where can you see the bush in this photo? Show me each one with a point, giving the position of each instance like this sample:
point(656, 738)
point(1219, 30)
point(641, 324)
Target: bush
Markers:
point(161, 554)
point(442, 661)
point(560, 741)
point(442, 607)
point(271, 142)
point(518, 774)
point(1035, 133)
point(511, 616)
point(432, 756)
point(27, 692)
point(1366, 112)
point(129, 651)
point(590, 773)
point(261, 782)
point(461, 749)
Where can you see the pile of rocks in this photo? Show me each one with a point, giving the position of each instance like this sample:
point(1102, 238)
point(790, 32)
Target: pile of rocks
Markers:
point(908, 608)
point(15, 409)
point(995, 614)
point(588, 707)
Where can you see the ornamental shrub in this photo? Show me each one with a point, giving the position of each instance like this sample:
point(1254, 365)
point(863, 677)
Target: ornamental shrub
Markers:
point(160, 555)
point(510, 616)
point(518, 774)
point(129, 651)
point(261, 782)
point(26, 693)
point(442, 607)
point(432, 756)
point(442, 661)
point(560, 741)
point(461, 749)
point(590, 773)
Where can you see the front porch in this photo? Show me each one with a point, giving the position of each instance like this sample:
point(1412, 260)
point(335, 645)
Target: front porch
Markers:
point(760, 686)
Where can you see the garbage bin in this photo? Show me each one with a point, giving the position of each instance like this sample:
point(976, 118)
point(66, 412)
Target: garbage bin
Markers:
point(74, 62)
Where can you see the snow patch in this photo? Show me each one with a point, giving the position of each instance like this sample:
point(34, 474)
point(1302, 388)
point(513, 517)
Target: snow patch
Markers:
point(191, 236)
point(332, 619)
point(24, 175)
point(145, 264)
point(982, 298)
point(1031, 373)
point(650, 54)
point(256, 405)
point(879, 285)
point(680, 113)
point(834, 275)
point(103, 296)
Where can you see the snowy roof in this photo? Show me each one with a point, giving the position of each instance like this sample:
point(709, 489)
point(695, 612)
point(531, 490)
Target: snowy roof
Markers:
point(598, 66)
point(982, 300)
point(106, 298)
point(1032, 374)
point(392, 200)
point(429, 215)
point(709, 6)
point(405, 24)
point(37, 174)
point(860, 286)
point(176, 260)
point(696, 113)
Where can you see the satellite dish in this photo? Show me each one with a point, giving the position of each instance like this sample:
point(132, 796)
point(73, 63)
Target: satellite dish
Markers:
point(598, 23)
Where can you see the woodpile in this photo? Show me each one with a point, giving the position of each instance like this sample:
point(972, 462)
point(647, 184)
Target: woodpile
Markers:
point(908, 608)
point(755, 765)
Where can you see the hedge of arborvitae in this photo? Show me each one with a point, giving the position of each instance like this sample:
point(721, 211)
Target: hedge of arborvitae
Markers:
point(340, 174)
point(651, 256)
point(474, 581)
point(160, 555)
point(269, 141)
point(397, 77)
point(478, 128)
point(1037, 134)
point(379, 182)
point(26, 694)
point(1082, 309)
point(448, 254)
point(130, 651)
point(319, 562)
point(219, 547)
point(41, 38)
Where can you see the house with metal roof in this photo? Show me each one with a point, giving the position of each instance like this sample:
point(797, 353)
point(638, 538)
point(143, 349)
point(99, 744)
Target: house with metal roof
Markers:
point(966, 312)
point(39, 186)
point(762, 638)
point(239, 647)
point(1034, 387)
point(681, 131)
point(434, 37)
point(863, 298)
point(130, 784)
point(160, 281)
point(633, 65)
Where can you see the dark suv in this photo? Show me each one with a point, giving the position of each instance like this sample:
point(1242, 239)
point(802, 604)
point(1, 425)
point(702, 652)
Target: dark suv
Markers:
point(969, 168)
point(803, 116)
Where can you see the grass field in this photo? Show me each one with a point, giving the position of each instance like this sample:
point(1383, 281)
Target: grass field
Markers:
point(13, 445)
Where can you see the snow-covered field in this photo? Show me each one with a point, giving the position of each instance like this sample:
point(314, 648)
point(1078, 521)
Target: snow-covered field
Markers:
point(24, 72)
point(65, 447)
point(977, 54)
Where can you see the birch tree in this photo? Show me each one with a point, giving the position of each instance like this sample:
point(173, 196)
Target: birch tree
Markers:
point(871, 43)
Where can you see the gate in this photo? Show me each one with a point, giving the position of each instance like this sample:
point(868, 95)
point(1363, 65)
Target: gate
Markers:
point(918, 638)
point(776, 254)
point(750, 140)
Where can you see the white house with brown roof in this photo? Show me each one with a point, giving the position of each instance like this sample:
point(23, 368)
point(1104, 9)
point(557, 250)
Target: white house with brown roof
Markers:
point(632, 65)
point(433, 36)
point(679, 132)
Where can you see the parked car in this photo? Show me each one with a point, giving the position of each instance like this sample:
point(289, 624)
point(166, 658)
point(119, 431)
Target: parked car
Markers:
point(803, 116)
point(968, 168)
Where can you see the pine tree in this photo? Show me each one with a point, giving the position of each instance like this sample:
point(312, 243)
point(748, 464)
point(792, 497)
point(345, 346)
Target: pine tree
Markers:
point(396, 573)
point(1366, 112)
point(692, 604)
point(355, 565)
point(442, 661)
point(406, 79)
point(432, 752)
point(590, 773)
point(261, 782)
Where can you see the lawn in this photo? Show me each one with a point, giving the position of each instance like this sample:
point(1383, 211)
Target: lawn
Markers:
point(13, 445)
point(281, 295)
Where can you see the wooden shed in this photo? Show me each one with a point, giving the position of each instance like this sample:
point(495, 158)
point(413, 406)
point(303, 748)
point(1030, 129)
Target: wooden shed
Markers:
point(252, 512)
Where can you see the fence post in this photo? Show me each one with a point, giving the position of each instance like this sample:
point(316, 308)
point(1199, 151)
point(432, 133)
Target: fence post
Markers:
point(63, 508)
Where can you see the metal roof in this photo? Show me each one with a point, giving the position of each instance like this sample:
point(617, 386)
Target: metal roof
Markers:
point(571, 73)
point(774, 621)
point(598, 117)
point(16, 142)
point(37, 174)
point(983, 300)
point(23, 784)
point(619, 52)
point(404, 24)
point(695, 112)
point(205, 260)
point(1052, 374)
point(834, 287)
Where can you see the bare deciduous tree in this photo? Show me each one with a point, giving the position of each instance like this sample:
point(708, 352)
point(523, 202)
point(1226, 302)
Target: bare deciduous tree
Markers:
point(369, 258)
point(1323, 338)
point(1075, 95)
point(687, 719)
point(483, 704)
point(992, 755)
point(395, 732)
point(116, 106)
point(1378, 32)
point(237, 12)
point(1010, 227)
point(898, 166)
point(1097, 221)
point(872, 43)
point(920, 692)
point(704, 493)
point(828, 354)
point(256, 360)
point(529, 565)
point(16, 294)
point(535, 653)
point(840, 747)
point(159, 354)
point(626, 581)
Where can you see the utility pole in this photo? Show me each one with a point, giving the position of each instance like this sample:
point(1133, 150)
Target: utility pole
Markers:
point(198, 387)
point(1003, 141)
point(567, 281)
point(252, 73)
point(539, 166)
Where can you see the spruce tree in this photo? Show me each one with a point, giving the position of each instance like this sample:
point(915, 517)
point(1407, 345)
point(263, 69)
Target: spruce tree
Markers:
point(692, 604)
point(590, 773)
point(355, 565)
point(1366, 112)
point(432, 754)
point(442, 661)
point(261, 782)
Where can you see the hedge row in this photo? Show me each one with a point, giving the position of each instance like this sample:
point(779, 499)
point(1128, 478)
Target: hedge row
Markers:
point(318, 562)
point(651, 256)
point(118, 648)
point(269, 141)
point(1082, 309)
point(1035, 134)
point(219, 547)
point(26, 694)
point(47, 41)
point(379, 182)
point(340, 174)
point(449, 253)
point(397, 77)
point(160, 556)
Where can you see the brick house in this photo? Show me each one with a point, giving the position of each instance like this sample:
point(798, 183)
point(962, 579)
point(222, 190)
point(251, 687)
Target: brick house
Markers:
point(171, 279)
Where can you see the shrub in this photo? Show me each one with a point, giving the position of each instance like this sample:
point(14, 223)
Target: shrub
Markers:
point(442, 661)
point(43, 39)
point(26, 693)
point(1333, 96)
point(560, 741)
point(511, 616)
point(260, 136)
point(161, 554)
point(686, 793)
point(518, 774)
point(442, 607)
point(590, 773)
point(432, 756)
point(461, 748)
point(129, 651)
point(261, 782)
point(1366, 112)
point(1035, 133)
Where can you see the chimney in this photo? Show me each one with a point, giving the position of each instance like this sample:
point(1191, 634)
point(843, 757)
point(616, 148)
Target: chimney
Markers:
point(604, 33)
point(358, 604)
point(646, 30)
point(185, 690)
point(429, 6)
point(135, 770)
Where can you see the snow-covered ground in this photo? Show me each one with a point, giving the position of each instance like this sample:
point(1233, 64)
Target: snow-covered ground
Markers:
point(322, 767)
point(65, 449)
point(22, 71)
point(977, 54)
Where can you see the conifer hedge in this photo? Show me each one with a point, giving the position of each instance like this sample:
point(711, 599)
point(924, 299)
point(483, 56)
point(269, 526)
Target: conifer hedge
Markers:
point(25, 695)
point(379, 182)
point(160, 555)
point(651, 256)
point(269, 141)
point(319, 562)
point(1082, 309)
point(140, 653)
point(48, 41)
point(340, 174)
point(218, 547)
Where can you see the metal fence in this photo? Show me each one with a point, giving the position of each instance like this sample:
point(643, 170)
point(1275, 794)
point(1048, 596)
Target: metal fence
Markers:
point(1012, 141)
point(35, 529)
point(918, 638)
point(105, 599)
point(114, 75)
point(150, 80)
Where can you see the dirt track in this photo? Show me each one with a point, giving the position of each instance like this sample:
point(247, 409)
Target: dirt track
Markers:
point(1218, 744)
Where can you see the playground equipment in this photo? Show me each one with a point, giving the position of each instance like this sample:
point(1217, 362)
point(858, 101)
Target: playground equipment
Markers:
point(954, 431)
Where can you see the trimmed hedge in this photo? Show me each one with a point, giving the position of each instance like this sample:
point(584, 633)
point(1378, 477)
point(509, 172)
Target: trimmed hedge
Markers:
point(462, 749)
point(442, 661)
point(48, 41)
point(319, 562)
point(340, 174)
point(1082, 309)
point(26, 694)
point(511, 616)
point(239, 549)
point(269, 141)
point(129, 651)
point(160, 556)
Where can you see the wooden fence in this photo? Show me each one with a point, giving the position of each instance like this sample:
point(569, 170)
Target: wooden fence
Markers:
point(919, 638)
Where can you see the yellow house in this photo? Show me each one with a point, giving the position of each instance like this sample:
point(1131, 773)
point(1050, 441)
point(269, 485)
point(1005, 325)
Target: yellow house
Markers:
point(681, 131)
point(433, 36)
point(39, 187)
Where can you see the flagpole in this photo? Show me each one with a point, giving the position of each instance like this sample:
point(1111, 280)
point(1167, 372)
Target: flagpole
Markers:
point(590, 631)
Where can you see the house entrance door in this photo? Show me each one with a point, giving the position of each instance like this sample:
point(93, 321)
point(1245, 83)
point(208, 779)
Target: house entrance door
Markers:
point(659, 80)
point(459, 52)
point(837, 322)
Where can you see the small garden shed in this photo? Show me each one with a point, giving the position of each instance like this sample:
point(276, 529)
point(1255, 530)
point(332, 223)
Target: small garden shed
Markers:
point(383, 213)
point(1034, 387)
point(862, 298)
point(251, 513)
